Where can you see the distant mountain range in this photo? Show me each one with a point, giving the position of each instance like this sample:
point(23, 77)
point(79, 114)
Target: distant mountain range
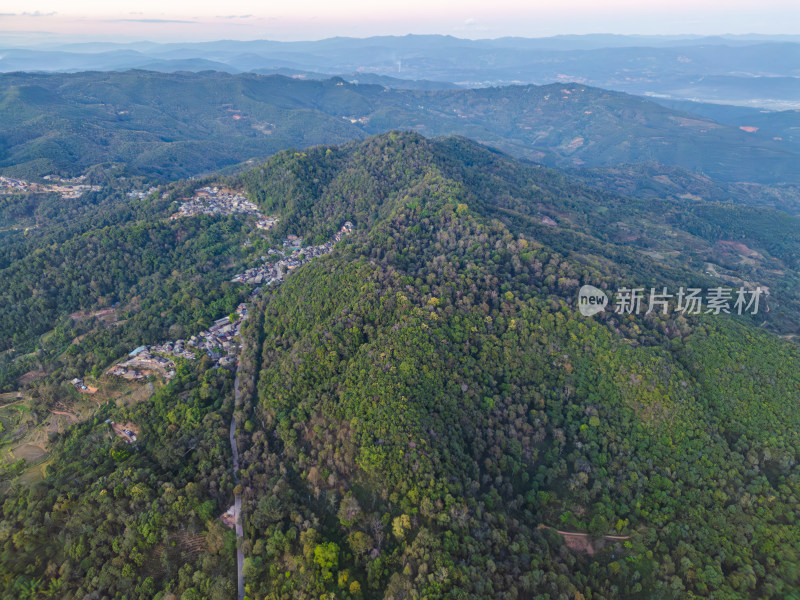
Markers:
point(783, 125)
point(183, 124)
point(757, 70)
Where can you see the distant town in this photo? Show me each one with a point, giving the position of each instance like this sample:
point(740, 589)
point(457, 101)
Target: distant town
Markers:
point(68, 188)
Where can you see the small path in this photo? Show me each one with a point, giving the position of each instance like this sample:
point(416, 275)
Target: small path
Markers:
point(66, 414)
point(608, 537)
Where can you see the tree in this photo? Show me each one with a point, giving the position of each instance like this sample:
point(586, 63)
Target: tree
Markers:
point(326, 557)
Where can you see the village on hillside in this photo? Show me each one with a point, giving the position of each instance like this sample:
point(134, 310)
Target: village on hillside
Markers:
point(222, 201)
point(142, 194)
point(220, 342)
point(68, 188)
point(293, 255)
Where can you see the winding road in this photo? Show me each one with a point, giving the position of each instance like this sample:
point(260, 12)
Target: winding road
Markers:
point(237, 500)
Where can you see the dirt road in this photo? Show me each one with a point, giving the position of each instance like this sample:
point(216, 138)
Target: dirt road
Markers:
point(583, 542)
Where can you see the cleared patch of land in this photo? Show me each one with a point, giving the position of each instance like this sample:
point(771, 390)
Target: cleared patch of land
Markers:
point(23, 437)
point(583, 542)
point(104, 314)
point(28, 452)
point(31, 376)
point(127, 431)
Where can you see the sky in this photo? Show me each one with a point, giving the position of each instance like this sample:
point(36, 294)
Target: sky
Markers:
point(37, 21)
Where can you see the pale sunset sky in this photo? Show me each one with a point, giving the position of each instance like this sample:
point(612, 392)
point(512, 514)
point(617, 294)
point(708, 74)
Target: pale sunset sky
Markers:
point(32, 21)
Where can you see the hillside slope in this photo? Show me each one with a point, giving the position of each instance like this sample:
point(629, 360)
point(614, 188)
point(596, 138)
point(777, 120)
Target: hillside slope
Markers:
point(430, 404)
point(424, 408)
point(182, 124)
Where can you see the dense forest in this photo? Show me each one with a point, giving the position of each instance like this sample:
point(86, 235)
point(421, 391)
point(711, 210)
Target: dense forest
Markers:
point(431, 406)
point(425, 412)
point(163, 278)
point(119, 521)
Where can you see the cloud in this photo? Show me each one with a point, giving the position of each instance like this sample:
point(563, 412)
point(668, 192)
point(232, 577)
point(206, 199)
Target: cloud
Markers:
point(234, 16)
point(35, 13)
point(20, 32)
point(150, 21)
point(472, 25)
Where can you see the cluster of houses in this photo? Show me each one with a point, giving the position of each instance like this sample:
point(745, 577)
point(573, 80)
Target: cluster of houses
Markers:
point(178, 348)
point(220, 342)
point(141, 363)
point(80, 385)
point(142, 194)
point(266, 223)
point(8, 184)
point(217, 201)
point(68, 188)
point(294, 256)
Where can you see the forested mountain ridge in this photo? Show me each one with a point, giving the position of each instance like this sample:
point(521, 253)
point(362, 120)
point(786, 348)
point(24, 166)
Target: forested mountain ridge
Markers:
point(680, 237)
point(656, 182)
point(429, 400)
point(107, 248)
point(183, 124)
point(425, 404)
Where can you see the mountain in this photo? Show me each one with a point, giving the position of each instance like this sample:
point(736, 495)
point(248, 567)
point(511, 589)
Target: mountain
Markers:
point(657, 182)
point(782, 125)
point(424, 410)
point(759, 70)
point(183, 124)
point(365, 79)
point(431, 404)
point(166, 125)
